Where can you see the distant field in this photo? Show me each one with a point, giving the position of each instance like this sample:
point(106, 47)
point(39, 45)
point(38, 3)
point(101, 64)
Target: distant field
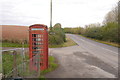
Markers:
point(14, 33)
point(12, 36)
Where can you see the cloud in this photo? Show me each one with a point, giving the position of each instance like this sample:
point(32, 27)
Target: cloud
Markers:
point(70, 13)
point(24, 12)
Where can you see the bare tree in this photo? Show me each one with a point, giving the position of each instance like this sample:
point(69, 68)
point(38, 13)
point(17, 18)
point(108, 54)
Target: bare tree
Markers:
point(112, 16)
point(119, 11)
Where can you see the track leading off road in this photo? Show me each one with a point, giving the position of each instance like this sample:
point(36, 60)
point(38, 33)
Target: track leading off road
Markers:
point(89, 59)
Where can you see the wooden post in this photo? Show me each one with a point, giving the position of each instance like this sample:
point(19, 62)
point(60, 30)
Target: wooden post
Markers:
point(23, 57)
point(14, 64)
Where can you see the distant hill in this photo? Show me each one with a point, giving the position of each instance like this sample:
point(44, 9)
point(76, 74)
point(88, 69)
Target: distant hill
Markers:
point(12, 32)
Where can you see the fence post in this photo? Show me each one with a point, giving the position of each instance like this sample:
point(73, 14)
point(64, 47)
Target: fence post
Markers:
point(14, 64)
point(23, 57)
point(1, 69)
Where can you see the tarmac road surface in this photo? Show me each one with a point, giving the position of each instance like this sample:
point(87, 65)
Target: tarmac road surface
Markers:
point(88, 59)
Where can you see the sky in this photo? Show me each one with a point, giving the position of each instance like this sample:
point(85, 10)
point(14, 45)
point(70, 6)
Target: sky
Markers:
point(70, 13)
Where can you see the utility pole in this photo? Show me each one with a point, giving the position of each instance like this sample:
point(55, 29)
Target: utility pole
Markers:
point(51, 15)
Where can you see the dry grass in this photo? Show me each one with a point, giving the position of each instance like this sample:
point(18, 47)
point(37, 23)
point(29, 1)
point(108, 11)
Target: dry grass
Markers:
point(108, 43)
point(69, 42)
point(13, 34)
point(104, 42)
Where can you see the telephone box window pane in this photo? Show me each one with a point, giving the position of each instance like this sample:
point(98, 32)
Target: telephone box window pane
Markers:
point(37, 39)
point(37, 48)
point(36, 52)
point(37, 43)
point(36, 35)
point(37, 29)
point(33, 35)
point(33, 55)
point(39, 35)
point(34, 39)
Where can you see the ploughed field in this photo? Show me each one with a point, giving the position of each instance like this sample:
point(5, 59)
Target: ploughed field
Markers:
point(14, 33)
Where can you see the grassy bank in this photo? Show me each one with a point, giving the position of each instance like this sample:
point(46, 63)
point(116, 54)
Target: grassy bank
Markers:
point(69, 42)
point(52, 66)
point(104, 42)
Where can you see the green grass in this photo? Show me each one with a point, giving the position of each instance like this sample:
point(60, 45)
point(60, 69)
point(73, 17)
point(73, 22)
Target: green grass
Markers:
point(7, 44)
point(108, 43)
point(0, 62)
point(0, 67)
point(104, 42)
point(69, 42)
point(8, 64)
point(8, 57)
point(52, 66)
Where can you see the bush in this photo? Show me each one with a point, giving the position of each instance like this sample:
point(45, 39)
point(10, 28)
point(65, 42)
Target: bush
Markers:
point(55, 40)
point(58, 36)
point(108, 32)
point(77, 30)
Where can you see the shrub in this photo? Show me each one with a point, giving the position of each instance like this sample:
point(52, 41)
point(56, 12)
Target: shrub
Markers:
point(108, 32)
point(58, 36)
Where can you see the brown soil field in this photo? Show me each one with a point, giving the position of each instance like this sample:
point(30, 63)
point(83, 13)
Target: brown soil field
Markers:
point(12, 32)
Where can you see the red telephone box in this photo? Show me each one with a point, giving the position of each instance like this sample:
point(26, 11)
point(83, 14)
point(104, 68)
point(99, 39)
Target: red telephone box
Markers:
point(38, 44)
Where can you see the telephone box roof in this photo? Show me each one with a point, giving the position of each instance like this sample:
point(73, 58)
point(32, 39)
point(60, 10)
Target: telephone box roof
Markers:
point(38, 25)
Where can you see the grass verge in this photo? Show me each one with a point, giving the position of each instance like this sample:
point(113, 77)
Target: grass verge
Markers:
point(0, 67)
point(8, 61)
point(104, 42)
point(69, 42)
point(52, 66)
point(7, 44)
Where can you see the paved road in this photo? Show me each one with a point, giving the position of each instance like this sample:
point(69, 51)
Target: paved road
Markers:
point(105, 52)
point(89, 59)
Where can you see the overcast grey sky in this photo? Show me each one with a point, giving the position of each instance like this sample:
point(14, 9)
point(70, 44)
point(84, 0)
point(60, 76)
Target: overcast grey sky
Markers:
point(70, 13)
